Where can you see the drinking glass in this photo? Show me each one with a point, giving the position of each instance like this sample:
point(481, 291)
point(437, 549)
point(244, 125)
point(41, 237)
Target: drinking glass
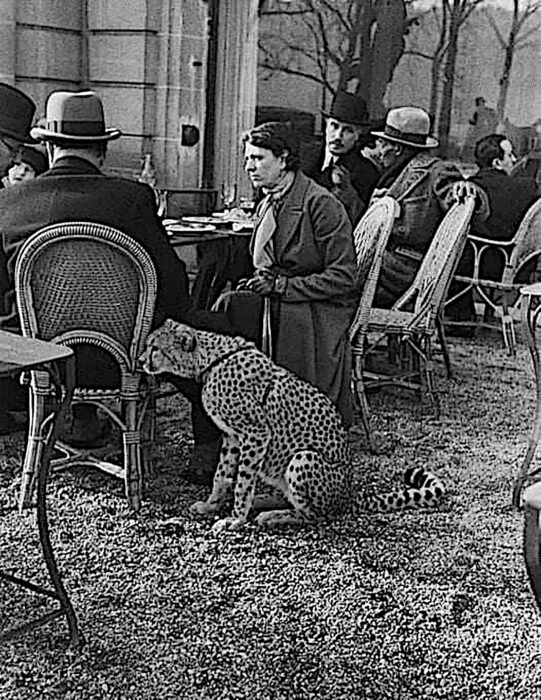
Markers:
point(229, 195)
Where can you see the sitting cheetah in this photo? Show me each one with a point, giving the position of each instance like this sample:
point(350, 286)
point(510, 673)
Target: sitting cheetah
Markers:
point(277, 427)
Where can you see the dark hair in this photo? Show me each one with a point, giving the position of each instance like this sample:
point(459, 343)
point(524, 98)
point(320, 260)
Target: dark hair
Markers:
point(479, 101)
point(278, 137)
point(31, 156)
point(488, 148)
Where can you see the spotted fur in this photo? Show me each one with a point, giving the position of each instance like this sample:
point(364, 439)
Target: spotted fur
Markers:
point(277, 427)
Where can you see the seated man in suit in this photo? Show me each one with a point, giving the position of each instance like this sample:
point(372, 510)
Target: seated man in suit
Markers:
point(76, 189)
point(424, 185)
point(345, 171)
point(16, 114)
point(509, 198)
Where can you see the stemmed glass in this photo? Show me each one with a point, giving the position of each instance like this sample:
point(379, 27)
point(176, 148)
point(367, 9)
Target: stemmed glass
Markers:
point(229, 195)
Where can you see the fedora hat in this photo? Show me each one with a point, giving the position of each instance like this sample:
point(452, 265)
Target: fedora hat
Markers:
point(408, 125)
point(349, 108)
point(74, 117)
point(16, 113)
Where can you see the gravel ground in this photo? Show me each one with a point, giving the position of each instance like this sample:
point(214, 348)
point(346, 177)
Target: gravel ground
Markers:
point(402, 607)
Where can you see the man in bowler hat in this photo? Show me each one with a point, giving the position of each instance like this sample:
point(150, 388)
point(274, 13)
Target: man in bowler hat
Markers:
point(345, 171)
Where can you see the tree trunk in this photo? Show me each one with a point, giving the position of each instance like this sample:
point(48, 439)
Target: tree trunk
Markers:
point(446, 104)
point(387, 49)
point(434, 86)
point(507, 65)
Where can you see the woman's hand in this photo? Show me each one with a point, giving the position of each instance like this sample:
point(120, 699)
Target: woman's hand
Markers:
point(262, 282)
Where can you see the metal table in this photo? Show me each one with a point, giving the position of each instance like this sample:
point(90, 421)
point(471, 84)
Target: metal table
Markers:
point(16, 355)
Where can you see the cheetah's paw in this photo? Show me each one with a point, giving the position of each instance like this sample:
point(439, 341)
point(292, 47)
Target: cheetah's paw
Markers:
point(204, 508)
point(228, 524)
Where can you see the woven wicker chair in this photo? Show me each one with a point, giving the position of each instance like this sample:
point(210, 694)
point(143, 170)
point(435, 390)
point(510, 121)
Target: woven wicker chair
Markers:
point(410, 333)
point(501, 296)
point(84, 283)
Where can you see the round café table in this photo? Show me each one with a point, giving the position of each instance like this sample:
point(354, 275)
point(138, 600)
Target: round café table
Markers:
point(18, 354)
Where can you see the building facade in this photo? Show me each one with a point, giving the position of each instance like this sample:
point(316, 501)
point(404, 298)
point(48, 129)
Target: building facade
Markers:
point(178, 77)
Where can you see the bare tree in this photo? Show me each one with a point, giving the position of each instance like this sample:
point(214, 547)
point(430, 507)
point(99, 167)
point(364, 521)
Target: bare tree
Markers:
point(517, 39)
point(336, 42)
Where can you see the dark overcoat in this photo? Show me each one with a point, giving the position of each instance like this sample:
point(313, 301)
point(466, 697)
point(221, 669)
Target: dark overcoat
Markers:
point(74, 190)
point(314, 249)
point(424, 191)
point(355, 193)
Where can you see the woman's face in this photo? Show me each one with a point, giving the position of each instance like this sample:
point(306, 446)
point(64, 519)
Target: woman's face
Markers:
point(19, 172)
point(263, 167)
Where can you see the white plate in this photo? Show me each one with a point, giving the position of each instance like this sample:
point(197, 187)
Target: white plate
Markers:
point(174, 229)
point(199, 220)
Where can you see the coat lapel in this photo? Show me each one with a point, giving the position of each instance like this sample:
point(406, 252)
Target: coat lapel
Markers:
point(290, 213)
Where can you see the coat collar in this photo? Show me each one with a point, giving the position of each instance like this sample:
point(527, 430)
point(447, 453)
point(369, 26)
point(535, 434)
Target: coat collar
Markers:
point(413, 174)
point(291, 211)
point(71, 165)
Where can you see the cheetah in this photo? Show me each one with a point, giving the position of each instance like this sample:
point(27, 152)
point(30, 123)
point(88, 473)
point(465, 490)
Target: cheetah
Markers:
point(278, 428)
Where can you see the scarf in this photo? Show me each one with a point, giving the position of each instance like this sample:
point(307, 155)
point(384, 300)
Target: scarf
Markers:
point(264, 256)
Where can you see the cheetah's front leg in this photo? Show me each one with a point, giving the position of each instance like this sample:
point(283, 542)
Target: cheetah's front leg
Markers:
point(224, 478)
point(252, 451)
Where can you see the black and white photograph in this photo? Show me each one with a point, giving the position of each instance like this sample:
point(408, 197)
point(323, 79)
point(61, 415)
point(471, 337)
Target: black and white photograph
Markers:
point(270, 350)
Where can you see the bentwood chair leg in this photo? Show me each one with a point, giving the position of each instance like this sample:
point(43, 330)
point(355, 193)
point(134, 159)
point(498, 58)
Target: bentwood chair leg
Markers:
point(444, 349)
point(362, 400)
point(35, 442)
point(131, 443)
point(529, 322)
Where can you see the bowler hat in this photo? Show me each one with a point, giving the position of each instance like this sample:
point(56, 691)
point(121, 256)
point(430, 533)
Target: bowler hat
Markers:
point(349, 108)
point(74, 117)
point(16, 113)
point(408, 125)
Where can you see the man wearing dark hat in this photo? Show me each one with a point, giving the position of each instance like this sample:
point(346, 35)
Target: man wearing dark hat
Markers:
point(425, 187)
point(16, 114)
point(75, 189)
point(345, 172)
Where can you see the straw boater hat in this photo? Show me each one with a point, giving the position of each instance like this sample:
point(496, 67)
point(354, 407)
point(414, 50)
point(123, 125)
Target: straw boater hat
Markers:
point(408, 125)
point(74, 117)
point(349, 108)
point(16, 113)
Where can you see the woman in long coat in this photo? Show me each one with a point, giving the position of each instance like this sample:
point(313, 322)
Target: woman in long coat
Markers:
point(304, 260)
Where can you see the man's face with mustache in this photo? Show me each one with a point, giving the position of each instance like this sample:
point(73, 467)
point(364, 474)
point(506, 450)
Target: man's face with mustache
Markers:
point(341, 137)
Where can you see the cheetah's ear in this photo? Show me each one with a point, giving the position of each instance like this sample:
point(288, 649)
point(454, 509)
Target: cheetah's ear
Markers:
point(185, 337)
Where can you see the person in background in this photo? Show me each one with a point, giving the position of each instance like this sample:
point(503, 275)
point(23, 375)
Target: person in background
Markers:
point(509, 198)
point(345, 171)
point(304, 260)
point(26, 164)
point(425, 187)
point(76, 189)
point(16, 114)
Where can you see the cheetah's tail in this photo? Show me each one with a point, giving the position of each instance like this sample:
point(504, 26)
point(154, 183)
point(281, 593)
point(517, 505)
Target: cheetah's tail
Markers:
point(421, 489)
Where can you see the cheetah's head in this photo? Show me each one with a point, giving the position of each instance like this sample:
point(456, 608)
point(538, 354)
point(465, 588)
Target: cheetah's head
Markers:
point(170, 349)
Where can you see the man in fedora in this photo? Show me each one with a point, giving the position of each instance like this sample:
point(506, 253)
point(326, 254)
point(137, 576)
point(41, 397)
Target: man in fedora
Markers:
point(345, 171)
point(76, 189)
point(425, 187)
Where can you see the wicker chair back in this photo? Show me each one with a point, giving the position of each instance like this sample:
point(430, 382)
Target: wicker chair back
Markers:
point(85, 281)
point(371, 236)
point(429, 288)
